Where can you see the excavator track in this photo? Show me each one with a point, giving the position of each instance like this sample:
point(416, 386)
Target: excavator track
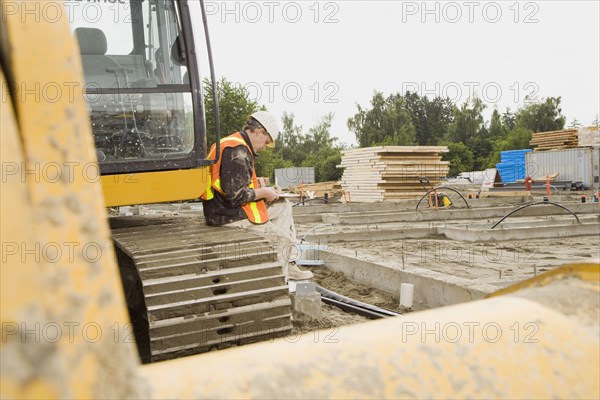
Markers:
point(192, 288)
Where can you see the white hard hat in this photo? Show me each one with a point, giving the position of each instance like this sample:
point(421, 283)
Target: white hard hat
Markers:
point(269, 122)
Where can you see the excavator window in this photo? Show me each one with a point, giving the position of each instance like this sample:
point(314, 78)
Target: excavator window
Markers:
point(137, 85)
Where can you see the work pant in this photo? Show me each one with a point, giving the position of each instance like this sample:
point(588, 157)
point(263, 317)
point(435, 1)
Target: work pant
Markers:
point(279, 231)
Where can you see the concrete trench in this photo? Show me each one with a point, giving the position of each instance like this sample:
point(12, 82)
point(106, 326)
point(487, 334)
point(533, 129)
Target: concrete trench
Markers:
point(377, 248)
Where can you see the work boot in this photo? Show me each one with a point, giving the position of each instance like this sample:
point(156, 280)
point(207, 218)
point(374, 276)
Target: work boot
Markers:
point(296, 274)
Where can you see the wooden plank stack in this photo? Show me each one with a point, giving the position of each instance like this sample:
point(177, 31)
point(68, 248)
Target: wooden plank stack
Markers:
point(388, 173)
point(555, 140)
point(332, 188)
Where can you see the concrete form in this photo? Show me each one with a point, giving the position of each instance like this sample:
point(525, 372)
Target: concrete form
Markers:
point(471, 233)
point(449, 223)
point(451, 256)
point(313, 213)
point(432, 289)
point(521, 233)
point(452, 214)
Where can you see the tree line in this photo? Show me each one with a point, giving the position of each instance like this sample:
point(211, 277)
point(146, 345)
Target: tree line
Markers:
point(474, 143)
point(408, 119)
point(295, 146)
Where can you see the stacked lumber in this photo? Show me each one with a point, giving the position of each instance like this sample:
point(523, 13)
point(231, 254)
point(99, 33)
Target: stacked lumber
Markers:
point(318, 189)
point(387, 173)
point(589, 136)
point(555, 140)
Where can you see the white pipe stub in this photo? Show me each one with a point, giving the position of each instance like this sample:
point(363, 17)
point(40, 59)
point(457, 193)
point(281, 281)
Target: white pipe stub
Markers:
point(406, 294)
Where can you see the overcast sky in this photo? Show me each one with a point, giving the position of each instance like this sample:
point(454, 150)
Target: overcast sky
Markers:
point(310, 58)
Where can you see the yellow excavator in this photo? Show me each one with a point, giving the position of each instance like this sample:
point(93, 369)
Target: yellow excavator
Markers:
point(122, 95)
point(189, 288)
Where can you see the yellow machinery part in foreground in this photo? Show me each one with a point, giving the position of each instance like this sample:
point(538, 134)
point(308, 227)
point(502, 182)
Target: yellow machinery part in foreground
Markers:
point(505, 347)
point(64, 332)
point(59, 290)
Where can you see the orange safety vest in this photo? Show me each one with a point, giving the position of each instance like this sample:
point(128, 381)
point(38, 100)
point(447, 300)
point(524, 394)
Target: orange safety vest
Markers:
point(256, 211)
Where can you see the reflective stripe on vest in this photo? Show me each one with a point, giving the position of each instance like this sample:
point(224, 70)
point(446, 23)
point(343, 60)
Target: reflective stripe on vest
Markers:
point(256, 211)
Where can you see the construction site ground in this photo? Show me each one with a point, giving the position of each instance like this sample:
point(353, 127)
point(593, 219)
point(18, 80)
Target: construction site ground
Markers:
point(370, 249)
point(498, 263)
point(333, 317)
point(447, 250)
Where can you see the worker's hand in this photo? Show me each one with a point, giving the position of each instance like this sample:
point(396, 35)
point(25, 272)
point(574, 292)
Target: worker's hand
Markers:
point(266, 193)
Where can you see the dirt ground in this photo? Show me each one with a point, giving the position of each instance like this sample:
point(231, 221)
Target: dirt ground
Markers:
point(337, 282)
point(333, 317)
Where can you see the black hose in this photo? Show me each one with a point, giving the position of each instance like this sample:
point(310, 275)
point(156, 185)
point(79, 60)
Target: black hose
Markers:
point(545, 202)
point(356, 306)
point(353, 309)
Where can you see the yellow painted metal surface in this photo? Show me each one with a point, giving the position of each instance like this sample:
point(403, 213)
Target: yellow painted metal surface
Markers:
point(64, 321)
point(63, 316)
point(504, 347)
point(19, 283)
point(154, 187)
point(586, 272)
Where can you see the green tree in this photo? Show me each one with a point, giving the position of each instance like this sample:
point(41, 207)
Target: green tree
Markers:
point(322, 152)
point(497, 130)
point(517, 139)
point(542, 117)
point(325, 163)
point(575, 124)
point(417, 108)
point(235, 106)
point(290, 141)
point(319, 137)
point(317, 149)
point(468, 128)
point(430, 118)
point(387, 122)
point(439, 117)
point(509, 120)
point(268, 161)
point(460, 157)
point(468, 122)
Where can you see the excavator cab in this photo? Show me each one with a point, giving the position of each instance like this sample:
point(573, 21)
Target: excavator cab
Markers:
point(141, 84)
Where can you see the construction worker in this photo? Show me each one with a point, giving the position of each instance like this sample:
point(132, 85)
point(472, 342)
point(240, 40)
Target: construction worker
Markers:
point(237, 198)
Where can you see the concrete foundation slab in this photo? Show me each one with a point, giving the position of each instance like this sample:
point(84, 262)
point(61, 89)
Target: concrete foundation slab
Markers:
point(448, 272)
point(520, 233)
point(453, 214)
point(374, 233)
point(310, 214)
point(479, 230)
